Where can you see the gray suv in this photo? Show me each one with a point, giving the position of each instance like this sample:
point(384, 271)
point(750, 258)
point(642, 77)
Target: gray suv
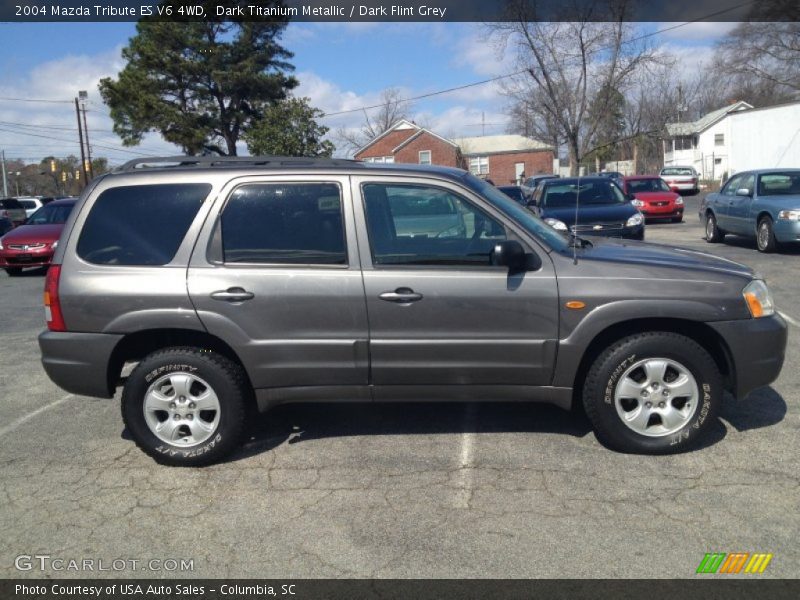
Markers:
point(229, 285)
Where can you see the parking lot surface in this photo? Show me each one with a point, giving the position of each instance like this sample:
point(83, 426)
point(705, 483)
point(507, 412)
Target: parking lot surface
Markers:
point(449, 490)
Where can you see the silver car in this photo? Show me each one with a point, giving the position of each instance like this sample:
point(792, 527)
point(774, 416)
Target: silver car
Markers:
point(681, 179)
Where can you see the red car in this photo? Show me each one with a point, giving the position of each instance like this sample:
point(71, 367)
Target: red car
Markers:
point(653, 197)
point(33, 244)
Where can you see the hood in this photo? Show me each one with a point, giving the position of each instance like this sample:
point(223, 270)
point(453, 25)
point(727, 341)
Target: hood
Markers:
point(592, 213)
point(30, 234)
point(661, 255)
point(656, 196)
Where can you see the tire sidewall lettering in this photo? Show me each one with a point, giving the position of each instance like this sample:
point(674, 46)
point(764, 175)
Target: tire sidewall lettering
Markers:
point(157, 372)
point(608, 393)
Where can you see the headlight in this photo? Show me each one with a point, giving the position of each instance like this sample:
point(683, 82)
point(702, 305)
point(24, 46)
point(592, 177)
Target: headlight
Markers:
point(679, 201)
point(556, 224)
point(637, 203)
point(758, 299)
point(55, 245)
point(635, 220)
point(1, 245)
point(789, 215)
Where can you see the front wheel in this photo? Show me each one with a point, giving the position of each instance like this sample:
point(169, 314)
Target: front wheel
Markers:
point(714, 234)
point(652, 393)
point(765, 236)
point(185, 406)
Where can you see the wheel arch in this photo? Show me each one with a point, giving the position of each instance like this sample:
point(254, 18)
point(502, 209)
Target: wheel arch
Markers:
point(698, 331)
point(135, 346)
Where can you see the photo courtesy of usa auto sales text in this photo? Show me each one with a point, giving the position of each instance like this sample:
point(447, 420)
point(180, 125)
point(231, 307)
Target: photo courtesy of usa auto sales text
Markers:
point(135, 589)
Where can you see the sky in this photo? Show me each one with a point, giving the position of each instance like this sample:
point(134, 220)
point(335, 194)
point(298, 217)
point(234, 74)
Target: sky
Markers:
point(340, 66)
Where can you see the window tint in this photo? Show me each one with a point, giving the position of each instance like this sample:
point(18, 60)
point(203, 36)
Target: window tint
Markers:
point(647, 185)
point(561, 195)
point(140, 224)
point(10, 203)
point(52, 214)
point(779, 184)
point(730, 187)
point(26, 204)
point(284, 223)
point(404, 228)
point(677, 171)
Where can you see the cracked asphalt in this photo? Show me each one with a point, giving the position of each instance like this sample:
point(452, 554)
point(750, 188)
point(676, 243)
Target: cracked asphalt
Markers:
point(451, 490)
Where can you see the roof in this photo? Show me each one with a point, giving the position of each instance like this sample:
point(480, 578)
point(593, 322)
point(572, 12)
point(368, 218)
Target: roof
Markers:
point(496, 144)
point(401, 124)
point(706, 120)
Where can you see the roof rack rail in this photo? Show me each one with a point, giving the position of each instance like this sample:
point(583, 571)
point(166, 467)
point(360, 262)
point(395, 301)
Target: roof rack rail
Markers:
point(165, 162)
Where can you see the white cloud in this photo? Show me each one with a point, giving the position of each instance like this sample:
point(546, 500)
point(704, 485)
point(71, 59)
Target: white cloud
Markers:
point(701, 31)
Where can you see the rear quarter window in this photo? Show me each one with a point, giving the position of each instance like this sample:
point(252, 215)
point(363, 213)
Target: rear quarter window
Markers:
point(140, 224)
point(11, 204)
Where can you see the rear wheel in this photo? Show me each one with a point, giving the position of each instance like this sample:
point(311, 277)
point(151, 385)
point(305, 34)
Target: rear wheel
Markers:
point(714, 234)
point(652, 393)
point(185, 406)
point(765, 236)
point(13, 271)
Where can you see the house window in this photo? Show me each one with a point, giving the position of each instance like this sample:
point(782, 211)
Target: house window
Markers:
point(380, 159)
point(479, 165)
point(717, 161)
point(719, 139)
point(683, 143)
point(424, 157)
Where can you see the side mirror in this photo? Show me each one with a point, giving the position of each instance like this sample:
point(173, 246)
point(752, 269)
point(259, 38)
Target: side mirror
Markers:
point(511, 254)
point(744, 192)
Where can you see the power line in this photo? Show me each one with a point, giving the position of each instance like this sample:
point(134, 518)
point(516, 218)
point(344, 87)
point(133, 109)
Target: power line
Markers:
point(520, 72)
point(35, 100)
point(73, 141)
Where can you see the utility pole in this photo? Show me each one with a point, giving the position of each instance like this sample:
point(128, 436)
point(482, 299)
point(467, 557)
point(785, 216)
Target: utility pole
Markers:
point(84, 98)
point(80, 138)
point(5, 179)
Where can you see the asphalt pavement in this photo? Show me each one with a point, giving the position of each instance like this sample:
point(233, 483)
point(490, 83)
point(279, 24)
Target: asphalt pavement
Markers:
point(413, 490)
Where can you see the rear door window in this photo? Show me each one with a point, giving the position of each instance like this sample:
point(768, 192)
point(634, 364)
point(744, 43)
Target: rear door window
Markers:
point(140, 224)
point(284, 223)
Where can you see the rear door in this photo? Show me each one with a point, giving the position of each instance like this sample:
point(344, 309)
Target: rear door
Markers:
point(276, 275)
point(439, 313)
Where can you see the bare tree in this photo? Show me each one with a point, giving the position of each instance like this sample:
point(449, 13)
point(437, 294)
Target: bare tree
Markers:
point(392, 108)
point(566, 66)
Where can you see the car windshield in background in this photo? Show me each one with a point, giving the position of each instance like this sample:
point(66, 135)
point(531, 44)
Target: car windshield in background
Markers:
point(587, 193)
point(51, 215)
point(524, 217)
point(514, 192)
point(647, 185)
point(677, 171)
point(779, 184)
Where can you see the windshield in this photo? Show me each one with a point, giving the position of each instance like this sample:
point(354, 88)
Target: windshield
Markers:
point(50, 215)
point(569, 193)
point(647, 185)
point(525, 218)
point(779, 184)
point(513, 192)
point(677, 171)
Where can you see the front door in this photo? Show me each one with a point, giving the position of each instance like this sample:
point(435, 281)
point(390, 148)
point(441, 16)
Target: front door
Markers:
point(272, 275)
point(739, 209)
point(439, 313)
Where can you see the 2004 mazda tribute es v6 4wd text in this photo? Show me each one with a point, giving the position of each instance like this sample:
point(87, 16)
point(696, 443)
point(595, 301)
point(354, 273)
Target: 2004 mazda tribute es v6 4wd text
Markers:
point(242, 283)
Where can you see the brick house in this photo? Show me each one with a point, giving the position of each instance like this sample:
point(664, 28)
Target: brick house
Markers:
point(502, 158)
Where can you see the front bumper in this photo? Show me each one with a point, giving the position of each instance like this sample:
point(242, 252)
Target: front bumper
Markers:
point(786, 231)
point(662, 212)
point(757, 349)
point(627, 233)
point(22, 258)
point(78, 362)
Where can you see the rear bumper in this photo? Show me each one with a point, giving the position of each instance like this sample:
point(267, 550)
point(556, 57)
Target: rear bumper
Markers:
point(683, 187)
point(78, 362)
point(757, 348)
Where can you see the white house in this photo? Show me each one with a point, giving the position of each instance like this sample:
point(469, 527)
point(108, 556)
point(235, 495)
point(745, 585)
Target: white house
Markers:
point(705, 143)
point(765, 138)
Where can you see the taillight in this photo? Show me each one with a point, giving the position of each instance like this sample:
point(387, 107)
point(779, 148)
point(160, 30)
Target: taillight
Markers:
point(52, 304)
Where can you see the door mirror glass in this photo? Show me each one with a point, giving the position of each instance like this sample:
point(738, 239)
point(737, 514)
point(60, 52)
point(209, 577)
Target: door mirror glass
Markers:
point(744, 192)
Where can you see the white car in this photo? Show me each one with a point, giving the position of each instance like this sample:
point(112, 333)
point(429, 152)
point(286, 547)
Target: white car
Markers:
point(31, 204)
point(680, 179)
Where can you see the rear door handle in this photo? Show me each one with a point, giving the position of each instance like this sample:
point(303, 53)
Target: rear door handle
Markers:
point(401, 295)
point(233, 294)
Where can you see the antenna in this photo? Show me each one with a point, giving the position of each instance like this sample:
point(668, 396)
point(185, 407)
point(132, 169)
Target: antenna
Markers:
point(575, 226)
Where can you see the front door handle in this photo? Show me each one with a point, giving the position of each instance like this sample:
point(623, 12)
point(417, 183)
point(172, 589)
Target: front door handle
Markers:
point(233, 294)
point(401, 295)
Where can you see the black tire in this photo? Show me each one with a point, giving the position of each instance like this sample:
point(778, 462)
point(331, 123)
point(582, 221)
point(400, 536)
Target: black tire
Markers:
point(13, 271)
point(607, 371)
point(765, 236)
point(228, 382)
point(714, 235)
